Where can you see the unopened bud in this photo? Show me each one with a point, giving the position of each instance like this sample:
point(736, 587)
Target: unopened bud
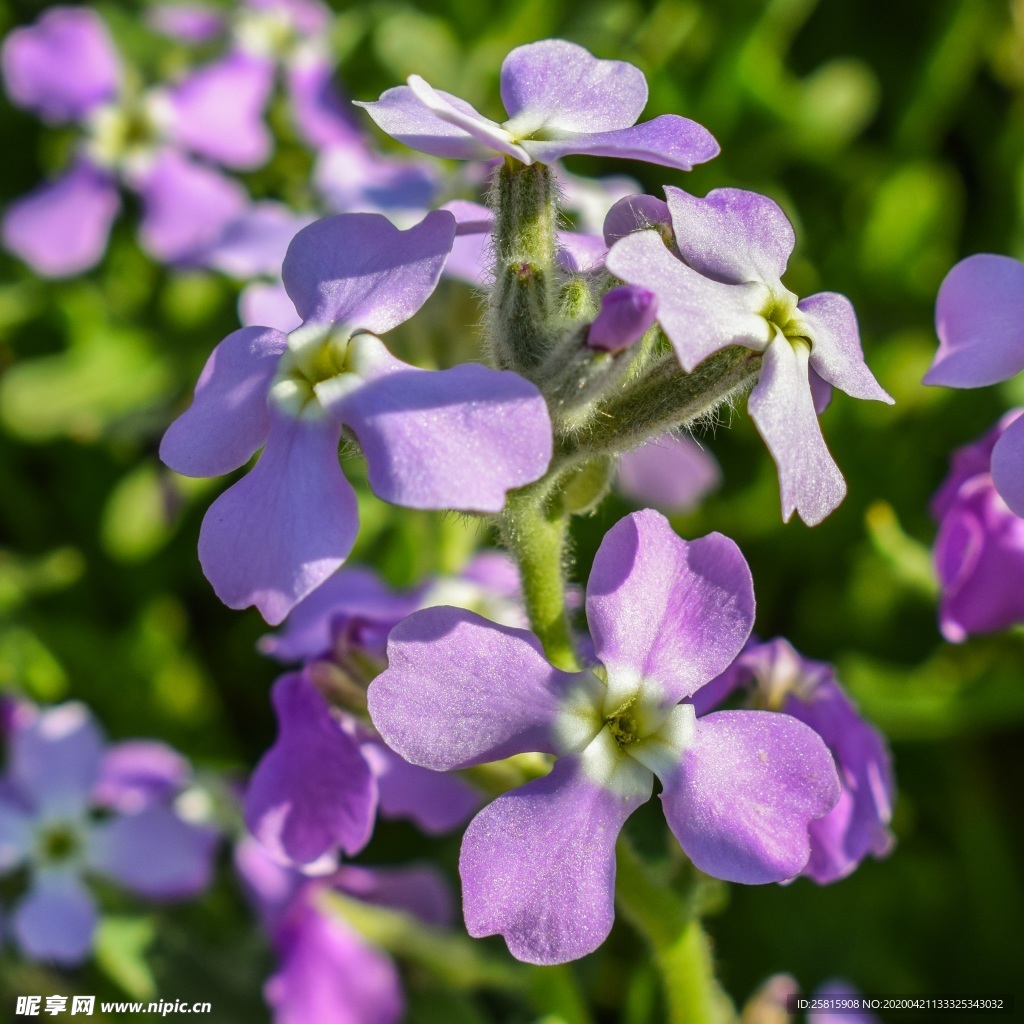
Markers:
point(626, 315)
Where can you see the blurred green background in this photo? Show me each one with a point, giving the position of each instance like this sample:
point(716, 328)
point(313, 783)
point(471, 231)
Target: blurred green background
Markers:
point(893, 135)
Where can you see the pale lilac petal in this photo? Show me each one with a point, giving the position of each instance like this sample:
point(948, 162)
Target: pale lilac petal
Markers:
point(589, 200)
point(538, 865)
point(61, 228)
point(821, 391)
point(403, 115)
point(62, 66)
point(460, 690)
point(191, 23)
point(746, 791)
point(279, 532)
point(137, 773)
point(270, 886)
point(352, 178)
point(670, 473)
point(636, 213)
point(154, 853)
point(327, 973)
point(186, 206)
point(979, 317)
point(256, 242)
point(471, 260)
point(470, 218)
point(420, 890)
point(783, 409)
point(458, 438)
point(17, 834)
point(217, 111)
point(228, 419)
point(732, 235)
point(267, 305)
point(672, 612)
point(555, 86)
point(312, 792)
point(436, 801)
point(669, 141)
point(359, 269)
point(626, 315)
point(700, 316)
point(56, 919)
point(55, 757)
point(579, 253)
point(836, 354)
point(1008, 466)
point(322, 117)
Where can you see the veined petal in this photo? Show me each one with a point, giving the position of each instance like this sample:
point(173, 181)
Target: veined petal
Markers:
point(538, 865)
point(278, 533)
point(359, 269)
point(555, 86)
point(668, 141)
point(63, 65)
point(460, 690)
point(836, 354)
point(153, 853)
point(312, 792)
point(732, 235)
point(979, 317)
point(783, 409)
point(667, 615)
point(228, 419)
point(458, 438)
point(1008, 466)
point(61, 227)
point(56, 919)
point(746, 791)
point(700, 316)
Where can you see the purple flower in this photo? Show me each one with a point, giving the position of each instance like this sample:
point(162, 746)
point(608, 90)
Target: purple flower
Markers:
point(979, 544)
point(739, 788)
point(838, 989)
point(66, 68)
point(670, 473)
point(457, 438)
point(780, 679)
point(58, 776)
point(318, 789)
point(979, 314)
point(625, 316)
point(720, 284)
point(560, 99)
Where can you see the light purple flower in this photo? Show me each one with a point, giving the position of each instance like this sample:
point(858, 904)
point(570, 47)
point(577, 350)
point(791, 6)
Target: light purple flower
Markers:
point(57, 777)
point(561, 100)
point(671, 473)
point(458, 438)
point(980, 544)
point(979, 314)
point(739, 788)
point(839, 989)
point(780, 679)
point(720, 286)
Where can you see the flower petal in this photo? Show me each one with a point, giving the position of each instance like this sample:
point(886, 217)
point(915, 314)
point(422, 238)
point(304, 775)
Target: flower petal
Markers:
point(836, 354)
point(538, 865)
point(555, 86)
point(636, 213)
point(56, 919)
point(669, 141)
point(665, 613)
point(256, 242)
point(700, 316)
point(278, 533)
point(17, 834)
point(137, 773)
point(187, 206)
point(732, 235)
point(359, 269)
point(673, 474)
point(979, 317)
point(61, 228)
point(313, 791)
point(626, 315)
point(154, 853)
point(62, 66)
point(322, 117)
point(460, 690)
point(783, 409)
point(420, 890)
point(458, 438)
point(217, 111)
point(191, 23)
point(228, 419)
point(1008, 466)
point(263, 304)
point(746, 791)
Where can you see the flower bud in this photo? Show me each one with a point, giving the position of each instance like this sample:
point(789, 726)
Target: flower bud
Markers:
point(626, 315)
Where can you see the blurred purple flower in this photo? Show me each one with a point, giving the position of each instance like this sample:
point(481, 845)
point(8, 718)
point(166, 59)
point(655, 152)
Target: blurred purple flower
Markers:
point(739, 788)
point(979, 318)
point(838, 989)
point(58, 778)
point(671, 473)
point(980, 544)
point(778, 678)
point(720, 284)
point(561, 100)
point(432, 439)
